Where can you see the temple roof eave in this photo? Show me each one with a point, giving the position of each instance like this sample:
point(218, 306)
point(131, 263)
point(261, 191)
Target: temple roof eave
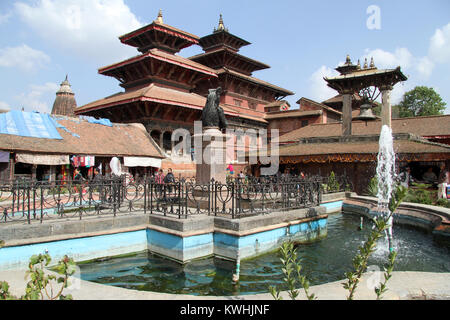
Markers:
point(282, 91)
point(220, 37)
point(161, 56)
point(254, 65)
point(161, 27)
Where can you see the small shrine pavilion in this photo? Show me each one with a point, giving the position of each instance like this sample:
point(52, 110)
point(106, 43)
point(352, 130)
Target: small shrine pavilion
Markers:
point(350, 147)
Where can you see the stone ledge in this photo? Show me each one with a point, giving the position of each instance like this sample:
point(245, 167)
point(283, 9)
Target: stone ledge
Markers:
point(430, 218)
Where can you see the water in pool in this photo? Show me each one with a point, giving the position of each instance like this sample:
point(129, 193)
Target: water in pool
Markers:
point(322, 261)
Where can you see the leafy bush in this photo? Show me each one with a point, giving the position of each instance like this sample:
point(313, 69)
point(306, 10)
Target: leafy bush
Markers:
point(40, 284)
point(372, 188)
point(333, 184)
point(443, 203)
point(420, 193)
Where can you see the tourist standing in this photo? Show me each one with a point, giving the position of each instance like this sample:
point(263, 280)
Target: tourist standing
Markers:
point(159, 179)
point(77, 179)
point(230, 173)
point(97, 176)
point(442, 182)
point(169, 179)
point(429, 176)
point(405, 177)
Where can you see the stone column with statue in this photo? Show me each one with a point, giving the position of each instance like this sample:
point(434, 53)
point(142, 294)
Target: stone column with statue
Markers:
point(212, 163)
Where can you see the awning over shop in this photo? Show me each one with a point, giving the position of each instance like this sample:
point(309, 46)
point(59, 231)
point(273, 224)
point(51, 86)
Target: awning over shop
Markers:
point(141, 162)
point(43, 159)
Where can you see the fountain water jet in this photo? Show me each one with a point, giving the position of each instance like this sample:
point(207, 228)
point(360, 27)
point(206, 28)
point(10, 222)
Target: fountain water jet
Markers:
point(386, 176)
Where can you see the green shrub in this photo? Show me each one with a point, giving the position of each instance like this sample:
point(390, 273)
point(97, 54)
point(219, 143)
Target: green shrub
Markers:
point(372, 188)
point(40, 283)
point(443, 203)
point(420, 193)
point(333, 184)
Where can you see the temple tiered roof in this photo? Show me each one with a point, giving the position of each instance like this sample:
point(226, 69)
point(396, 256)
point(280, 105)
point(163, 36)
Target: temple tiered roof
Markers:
point(156, 66)
point(221, 38)
point(225, 57)
point(159, 35)
point(221, 53)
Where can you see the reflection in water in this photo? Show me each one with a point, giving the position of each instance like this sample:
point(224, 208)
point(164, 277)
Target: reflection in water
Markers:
point(322, 261)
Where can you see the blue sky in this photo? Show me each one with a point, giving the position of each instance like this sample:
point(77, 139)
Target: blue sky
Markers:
point(43, 40)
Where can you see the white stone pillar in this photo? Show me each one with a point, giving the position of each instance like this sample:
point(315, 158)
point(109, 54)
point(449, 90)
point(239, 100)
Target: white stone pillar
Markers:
point(386, 110)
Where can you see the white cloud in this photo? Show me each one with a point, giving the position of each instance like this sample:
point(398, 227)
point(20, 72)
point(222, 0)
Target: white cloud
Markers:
point(88, 28)
point(4, 17)
point(23, 57)
point(38, 98)
point(401, 57)
point(440, 45)
point(425, 66)
point(4, 106)
point(384, 59)
point(318, 90)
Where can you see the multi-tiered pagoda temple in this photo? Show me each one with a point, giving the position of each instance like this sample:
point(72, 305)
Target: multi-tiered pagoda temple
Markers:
point(165, 91)
point(243, 93)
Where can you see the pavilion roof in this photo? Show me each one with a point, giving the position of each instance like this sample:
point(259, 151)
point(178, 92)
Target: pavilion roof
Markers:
point(406, 150)
point(362, 147)
point(422, 126)
point(363, 78)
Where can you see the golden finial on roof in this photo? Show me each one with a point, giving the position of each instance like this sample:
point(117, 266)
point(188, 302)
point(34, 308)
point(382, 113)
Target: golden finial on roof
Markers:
point(358, 65)
point(365, 63)
point(221, 25)
point(372, 64)
point(159, 19)
point(348, 60)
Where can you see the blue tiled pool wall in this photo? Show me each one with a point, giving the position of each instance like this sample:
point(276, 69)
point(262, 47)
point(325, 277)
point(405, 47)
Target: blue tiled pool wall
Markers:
point(79, 249)
point(230, 246)
point(172, 246)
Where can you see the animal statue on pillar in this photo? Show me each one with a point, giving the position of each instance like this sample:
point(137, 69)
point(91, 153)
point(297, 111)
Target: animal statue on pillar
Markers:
point(212, 114)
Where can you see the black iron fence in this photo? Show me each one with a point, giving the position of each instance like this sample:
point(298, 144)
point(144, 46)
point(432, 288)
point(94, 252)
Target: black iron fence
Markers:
point(35, 200)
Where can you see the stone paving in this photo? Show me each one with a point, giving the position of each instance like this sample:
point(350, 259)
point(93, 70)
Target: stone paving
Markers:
point(402, 286)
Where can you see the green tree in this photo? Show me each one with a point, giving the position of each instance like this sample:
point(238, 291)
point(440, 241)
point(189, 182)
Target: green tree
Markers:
point(420, 101)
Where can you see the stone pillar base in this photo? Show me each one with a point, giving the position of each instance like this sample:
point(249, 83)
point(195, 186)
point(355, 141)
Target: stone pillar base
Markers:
point(211, 160)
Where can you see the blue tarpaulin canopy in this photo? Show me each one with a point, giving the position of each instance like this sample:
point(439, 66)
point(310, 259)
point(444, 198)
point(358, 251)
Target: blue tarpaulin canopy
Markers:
point(102, 121)
point(28, 124)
